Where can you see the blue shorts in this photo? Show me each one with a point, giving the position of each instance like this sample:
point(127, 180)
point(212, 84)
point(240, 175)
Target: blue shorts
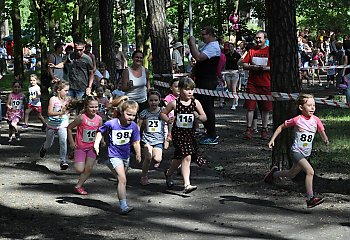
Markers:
point(115, 162)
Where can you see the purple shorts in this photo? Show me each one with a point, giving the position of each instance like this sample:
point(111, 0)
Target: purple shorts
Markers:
point(80, 155)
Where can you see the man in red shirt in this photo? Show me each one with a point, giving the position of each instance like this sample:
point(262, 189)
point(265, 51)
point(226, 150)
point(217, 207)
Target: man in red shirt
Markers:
point(257, 61)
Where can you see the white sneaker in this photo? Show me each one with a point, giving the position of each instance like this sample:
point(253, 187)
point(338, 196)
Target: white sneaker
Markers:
point(233, 108)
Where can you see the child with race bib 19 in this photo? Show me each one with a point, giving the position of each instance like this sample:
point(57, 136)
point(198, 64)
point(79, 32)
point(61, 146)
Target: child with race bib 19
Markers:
point(152, 135)
point(15, 110)
point(187, 109)
point(305, 126)
point(122, 133)
point(87, 125)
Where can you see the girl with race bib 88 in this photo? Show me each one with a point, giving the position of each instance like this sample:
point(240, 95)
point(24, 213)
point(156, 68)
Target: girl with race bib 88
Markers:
point(152, 135)
point(15, 109)
point(305, 126)
point(122, 133)
point(87, 125)
point(187, 109)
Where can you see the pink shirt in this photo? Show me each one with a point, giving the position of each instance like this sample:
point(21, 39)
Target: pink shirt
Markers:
point(168, 99)
point(86, 132)
point(305, 129)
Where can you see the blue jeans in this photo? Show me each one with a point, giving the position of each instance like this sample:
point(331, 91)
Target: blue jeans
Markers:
point(77, 94)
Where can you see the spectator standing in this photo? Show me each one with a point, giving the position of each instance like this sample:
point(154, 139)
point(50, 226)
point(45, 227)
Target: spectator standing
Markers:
point(56, 74)
point(257, 61)
point(87, 51)
point(81, 74)
point(177, 57)
point(121, 63)
point(205, 75)
point(135, 81)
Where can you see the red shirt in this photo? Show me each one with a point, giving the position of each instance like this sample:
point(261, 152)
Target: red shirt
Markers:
point(257, 56)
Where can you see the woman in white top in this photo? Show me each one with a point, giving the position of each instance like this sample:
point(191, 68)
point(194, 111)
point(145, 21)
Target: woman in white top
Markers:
point(135, 81)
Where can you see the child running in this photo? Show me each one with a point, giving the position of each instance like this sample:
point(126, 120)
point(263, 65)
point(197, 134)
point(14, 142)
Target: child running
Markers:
point(187, 109)
point(15, 110)
point(34, 102)
point(305, 125)
point(103, 103)
point(174, 88)
point(152, 135)
point(122, 133)
point(57, 122)
point(84, 154)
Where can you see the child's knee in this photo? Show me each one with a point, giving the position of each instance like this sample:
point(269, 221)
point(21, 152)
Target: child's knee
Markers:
point(122, 180)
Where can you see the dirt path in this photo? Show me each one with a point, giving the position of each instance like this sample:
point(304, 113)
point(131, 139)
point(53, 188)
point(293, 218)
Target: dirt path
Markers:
point(232, 202)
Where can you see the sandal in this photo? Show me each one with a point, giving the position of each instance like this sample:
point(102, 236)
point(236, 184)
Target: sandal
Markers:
point(189, 188)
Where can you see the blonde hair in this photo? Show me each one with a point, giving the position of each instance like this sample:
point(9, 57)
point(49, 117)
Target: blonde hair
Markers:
point(129, 104)
point(302, 99)
point(35, 77)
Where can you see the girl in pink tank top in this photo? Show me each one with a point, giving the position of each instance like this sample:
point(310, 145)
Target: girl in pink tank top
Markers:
point(84, 154)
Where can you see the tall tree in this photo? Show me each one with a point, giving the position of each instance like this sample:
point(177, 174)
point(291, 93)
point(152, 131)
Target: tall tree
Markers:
point(81, 8)
point(18, 52)
point(107, 35)
point(161, 61)
point(139, 13)
point(284, 69)
point(181, 21)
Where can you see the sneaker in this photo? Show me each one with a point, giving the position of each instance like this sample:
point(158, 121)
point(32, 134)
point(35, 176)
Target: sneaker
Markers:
point(80, 190)
point(18, 137)
point(64, 165)
point(313, 202)
point(43, 127)
point(126, 210)
point(233, 108)
point(156, 165)
point(248, 134)
point(209, 140)
point(189, 188)
point(144, 181)
point(169, 180)
point(264, 134)
point(269, 176)
point(10, 140)
point(25, 126)
point(42, 151)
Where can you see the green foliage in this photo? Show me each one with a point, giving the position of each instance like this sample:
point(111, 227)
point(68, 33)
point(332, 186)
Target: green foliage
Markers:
point(329, 15)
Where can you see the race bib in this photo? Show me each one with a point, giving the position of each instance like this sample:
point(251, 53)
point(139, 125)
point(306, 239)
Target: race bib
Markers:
point(89, 135)
point(32, 95)
point(184, 120)
point(57, 108)
point(261, 61)
point(153, 126)
point(121, 137)
point(16, 104)
point(304, 140)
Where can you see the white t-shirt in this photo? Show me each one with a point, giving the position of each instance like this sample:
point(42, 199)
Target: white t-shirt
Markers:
point(34, 93)
point(211, 49)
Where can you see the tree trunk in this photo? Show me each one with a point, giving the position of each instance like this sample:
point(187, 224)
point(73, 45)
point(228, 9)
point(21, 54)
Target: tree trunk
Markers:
point(147, 43)
point(284, 70)
point(218, 17)
point(139, 14)
point(181, 21)
point(17, 51)
point(124, 4)
point(80, 10)
point(52, 34)
point(161, 60)
point(107, 35)
point(96, 35)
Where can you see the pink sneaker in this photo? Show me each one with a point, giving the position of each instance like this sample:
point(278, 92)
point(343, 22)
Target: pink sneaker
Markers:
point(144, 181)
point(80, 190)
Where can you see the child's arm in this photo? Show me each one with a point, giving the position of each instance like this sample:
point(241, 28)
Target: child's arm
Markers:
point(140, 123)
point(324, 137)
point(97, 142)
point(199, 113)
point(275, 134)
point(70, 127)
point(8, 104)
point(166, 111)
point(137, 148)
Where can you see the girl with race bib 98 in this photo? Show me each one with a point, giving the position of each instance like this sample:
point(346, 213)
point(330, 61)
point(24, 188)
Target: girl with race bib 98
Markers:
point(122, 133)
point(187, 109)
point(305, 126)
point(87, 125)
point(152, 135)
point(15, 110)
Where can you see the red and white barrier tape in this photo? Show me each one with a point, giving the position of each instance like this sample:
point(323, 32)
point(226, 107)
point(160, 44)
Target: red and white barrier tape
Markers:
point(325, 67)
point(275, 96)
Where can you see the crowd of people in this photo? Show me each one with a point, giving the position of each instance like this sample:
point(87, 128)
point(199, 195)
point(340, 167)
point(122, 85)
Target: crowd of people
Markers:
point(134, 118)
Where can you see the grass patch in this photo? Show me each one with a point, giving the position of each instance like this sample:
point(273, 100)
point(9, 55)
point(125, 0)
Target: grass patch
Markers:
point(335, 157)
